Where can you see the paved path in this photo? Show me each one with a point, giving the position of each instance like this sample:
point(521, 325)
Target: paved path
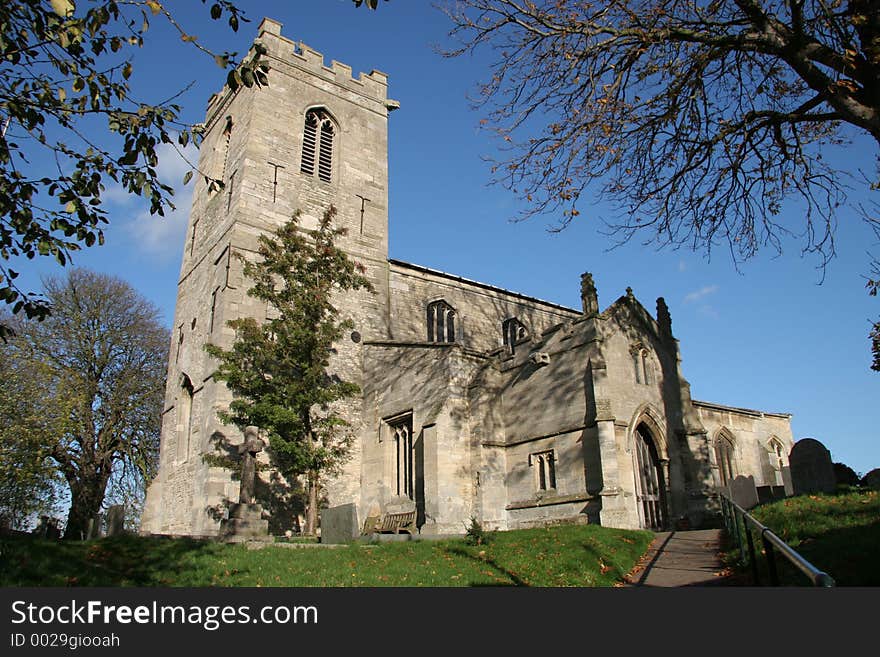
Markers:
point(683, 558)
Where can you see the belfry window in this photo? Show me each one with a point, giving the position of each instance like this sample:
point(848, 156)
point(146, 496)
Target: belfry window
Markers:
point(441, 322)
point(317, 151)
point(512, 331)
point(545, 469)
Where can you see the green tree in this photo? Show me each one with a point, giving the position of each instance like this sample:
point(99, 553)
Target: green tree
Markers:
point(29, 482)
point(88, 385)
point(279, 370)
point(69, 122)
point(696, 121)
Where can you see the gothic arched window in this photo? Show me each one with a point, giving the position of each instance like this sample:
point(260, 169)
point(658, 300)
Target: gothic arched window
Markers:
point(512, 331)
point(317, 150)
point(777, 459)
point(441, 322)
point(724, 455)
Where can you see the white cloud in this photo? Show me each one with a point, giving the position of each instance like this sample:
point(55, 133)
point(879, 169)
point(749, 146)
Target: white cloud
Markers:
point(682, 265)
point(702, 293)
point(163, 236)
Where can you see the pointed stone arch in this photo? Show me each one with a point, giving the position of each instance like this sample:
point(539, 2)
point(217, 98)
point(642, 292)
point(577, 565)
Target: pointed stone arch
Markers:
point(724, 451)
point(648, 415)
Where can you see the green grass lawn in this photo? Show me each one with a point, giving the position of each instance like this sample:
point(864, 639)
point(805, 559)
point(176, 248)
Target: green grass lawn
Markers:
point(839, 534)
point(576, 555)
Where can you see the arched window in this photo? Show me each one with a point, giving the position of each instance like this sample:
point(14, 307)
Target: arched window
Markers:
point(724, 456)
point(643, 367)
point(317, 150)
point(512, 331)
point(545, 469)
point(777, 459)
point(647, 368)
point(441, 322)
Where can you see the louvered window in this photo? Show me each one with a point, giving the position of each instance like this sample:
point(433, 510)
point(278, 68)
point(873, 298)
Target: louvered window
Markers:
point(318, 143)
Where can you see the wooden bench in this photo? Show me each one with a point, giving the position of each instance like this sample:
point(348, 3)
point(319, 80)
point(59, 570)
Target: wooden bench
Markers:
point(391, 522)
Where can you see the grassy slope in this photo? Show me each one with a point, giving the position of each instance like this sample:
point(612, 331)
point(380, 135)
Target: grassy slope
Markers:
point(839, 534)
point(559, 556)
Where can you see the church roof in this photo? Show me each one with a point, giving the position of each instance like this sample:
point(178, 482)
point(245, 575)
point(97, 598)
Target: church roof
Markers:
point(485, 286)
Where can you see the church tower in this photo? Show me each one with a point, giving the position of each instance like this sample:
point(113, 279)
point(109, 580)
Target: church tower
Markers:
point(315, 136)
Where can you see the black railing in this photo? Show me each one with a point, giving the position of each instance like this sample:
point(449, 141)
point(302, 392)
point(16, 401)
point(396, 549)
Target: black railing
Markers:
point(741, 532)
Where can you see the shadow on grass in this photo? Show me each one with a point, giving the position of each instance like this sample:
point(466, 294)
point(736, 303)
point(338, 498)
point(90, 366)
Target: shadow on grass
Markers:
point(515, 580)
point(117, 561)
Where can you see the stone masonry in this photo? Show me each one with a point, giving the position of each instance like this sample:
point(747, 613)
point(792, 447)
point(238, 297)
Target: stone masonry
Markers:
point(476, 401)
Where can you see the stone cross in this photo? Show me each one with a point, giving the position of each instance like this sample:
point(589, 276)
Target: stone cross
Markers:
point(249, 449)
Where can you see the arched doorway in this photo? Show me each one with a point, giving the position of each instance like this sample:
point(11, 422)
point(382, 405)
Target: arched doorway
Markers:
point(650, 483)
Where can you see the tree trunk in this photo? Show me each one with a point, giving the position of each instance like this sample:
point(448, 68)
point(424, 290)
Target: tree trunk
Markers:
point(312, 511)
point(86, 498)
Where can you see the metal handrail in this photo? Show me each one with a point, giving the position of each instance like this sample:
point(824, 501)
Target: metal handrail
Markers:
point(730, 510)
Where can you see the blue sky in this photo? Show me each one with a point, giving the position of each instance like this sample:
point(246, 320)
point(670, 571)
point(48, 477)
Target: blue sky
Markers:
point(766, 337)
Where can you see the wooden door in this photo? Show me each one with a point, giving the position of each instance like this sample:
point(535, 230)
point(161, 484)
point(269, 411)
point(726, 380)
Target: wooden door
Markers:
point(650, 485)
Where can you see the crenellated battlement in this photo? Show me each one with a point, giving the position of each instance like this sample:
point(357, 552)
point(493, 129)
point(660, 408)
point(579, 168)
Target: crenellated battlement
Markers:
point(374, 84)
point(282, 51)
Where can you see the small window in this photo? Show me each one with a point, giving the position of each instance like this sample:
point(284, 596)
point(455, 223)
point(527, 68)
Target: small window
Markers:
point(317, 151)
point(643, 367)
point(647, 368)
point(441, 322)
point(512, 331)
point(545, 469)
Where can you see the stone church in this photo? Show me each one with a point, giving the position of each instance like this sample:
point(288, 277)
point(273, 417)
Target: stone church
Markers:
point(476, 401)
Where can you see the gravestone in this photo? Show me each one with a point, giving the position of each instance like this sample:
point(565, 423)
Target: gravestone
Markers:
point(47, 528)
point(786, 481)
point(339, 524)
point(94, 529)
point(767, 494)
point(116, 520)
point(743, 492)
point(811, 468)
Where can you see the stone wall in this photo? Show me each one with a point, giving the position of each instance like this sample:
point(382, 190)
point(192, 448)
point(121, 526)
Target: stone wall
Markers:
point(753, 434)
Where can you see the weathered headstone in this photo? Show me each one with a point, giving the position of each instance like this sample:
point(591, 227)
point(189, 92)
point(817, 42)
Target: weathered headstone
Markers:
point(786, 481)
point(743, 492)
point(811, 468)
point(116, 520)
point(768, 494)
point(339, 524)
point(94, 529)
point(47, 528)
